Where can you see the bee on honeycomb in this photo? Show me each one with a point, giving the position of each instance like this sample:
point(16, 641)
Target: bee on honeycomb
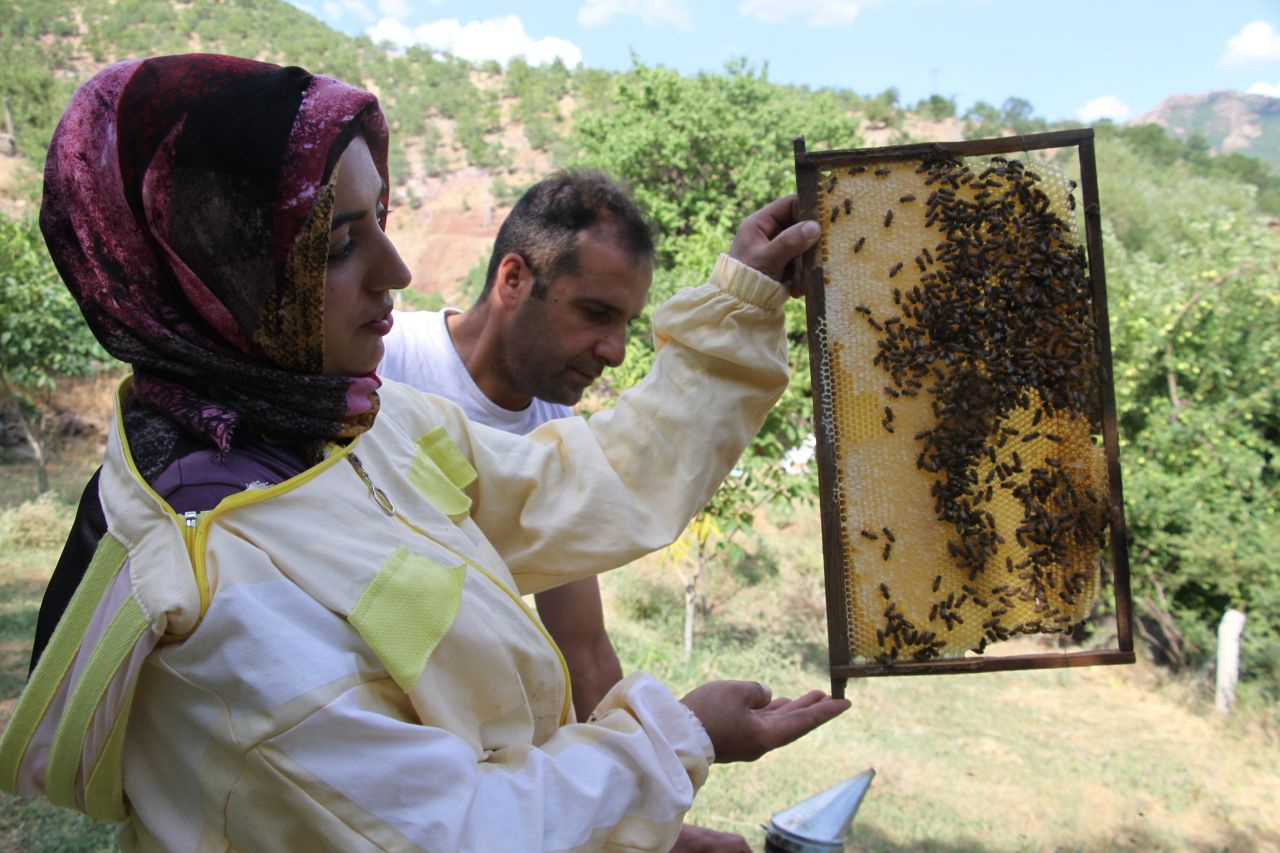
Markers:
point(961, 372)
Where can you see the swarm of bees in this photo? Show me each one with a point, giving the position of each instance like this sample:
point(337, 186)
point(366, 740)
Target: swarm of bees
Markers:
point(960, 347)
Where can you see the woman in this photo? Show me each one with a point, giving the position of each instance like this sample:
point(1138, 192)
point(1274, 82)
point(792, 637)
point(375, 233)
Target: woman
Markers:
point(302, 627)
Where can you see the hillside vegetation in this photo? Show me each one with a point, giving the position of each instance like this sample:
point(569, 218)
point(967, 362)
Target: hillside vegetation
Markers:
point(1227, 122)
point(1193, 282)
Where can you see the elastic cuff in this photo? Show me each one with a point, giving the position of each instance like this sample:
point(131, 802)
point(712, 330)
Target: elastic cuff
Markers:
point(748, 284)
point(708, 748)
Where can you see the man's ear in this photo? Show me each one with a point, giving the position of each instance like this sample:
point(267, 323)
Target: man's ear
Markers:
point(513, 282)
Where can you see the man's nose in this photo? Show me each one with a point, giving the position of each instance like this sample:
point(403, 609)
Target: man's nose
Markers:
point(612, 347)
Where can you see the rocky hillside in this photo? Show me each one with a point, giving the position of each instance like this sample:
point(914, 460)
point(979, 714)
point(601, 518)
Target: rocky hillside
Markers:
point(1228, 121)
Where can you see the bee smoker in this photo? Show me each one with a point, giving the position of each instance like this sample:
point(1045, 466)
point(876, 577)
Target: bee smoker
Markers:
point(819, 824)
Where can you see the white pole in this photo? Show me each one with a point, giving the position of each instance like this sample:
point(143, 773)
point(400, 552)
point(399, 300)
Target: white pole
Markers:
point(1229, 631)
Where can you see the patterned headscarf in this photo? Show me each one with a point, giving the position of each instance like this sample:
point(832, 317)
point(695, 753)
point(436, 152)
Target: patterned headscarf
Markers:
point(187, 204)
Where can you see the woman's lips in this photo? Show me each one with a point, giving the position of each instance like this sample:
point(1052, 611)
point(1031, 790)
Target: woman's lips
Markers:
point(381, 325)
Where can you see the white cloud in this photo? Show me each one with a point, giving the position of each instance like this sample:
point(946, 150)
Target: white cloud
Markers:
point(1271, 90)
point(500, 39)
point(359, 8)
point(1257, 44)
point(817, 13)
point(597, 13)
point(1107, 106)
point(394, 8)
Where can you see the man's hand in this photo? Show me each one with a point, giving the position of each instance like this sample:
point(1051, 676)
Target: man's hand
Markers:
point(744, 721)
point(698, 839)
point(772, 239)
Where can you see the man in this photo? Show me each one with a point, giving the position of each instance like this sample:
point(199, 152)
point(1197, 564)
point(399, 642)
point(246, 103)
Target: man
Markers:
point(571, 268)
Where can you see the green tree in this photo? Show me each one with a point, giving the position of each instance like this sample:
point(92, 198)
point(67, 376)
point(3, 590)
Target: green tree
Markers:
point(981, 121)
point(936, 107)
point(701, 153)
point(883, 108)
point(42, 335)
point(1198, 391)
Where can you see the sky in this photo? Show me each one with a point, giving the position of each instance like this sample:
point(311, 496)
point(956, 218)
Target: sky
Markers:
point(1080, 60)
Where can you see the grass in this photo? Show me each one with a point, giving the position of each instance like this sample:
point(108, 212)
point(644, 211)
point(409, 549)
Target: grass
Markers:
point(1054, 760)
point(27, 556)
point(33, 824)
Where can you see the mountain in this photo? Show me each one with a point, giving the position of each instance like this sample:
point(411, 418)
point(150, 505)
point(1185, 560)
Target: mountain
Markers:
point(1228, 121)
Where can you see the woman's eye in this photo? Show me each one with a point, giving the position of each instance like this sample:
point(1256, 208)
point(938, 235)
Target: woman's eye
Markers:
point(337, 253)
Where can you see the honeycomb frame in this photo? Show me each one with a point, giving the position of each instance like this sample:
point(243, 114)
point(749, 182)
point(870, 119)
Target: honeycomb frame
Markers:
point(1010, 432)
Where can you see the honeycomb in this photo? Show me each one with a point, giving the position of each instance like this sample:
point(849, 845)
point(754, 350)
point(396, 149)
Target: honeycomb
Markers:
point(958, 358)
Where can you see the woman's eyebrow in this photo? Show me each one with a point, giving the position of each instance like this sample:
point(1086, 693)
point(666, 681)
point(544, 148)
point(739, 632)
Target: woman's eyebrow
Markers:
point(353, 215)
point(350, 216)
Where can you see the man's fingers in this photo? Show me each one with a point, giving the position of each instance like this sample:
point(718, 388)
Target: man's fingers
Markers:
point(762, 698)
point(782, 249)
point(791, 724)
point(797, 238)
point(777, 214)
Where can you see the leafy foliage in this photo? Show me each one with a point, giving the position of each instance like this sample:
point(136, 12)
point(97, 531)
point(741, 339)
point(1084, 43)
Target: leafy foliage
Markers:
point(701, 153)
point(1199, 394)
point(936, 107)
point(1015, 115)
point(1191, 261)
point(42, 335)
point(1191, 158)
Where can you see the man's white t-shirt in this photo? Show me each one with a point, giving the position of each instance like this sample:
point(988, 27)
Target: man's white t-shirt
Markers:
point(419, 352)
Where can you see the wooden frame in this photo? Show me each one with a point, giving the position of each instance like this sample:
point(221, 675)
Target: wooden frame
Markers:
point(808, 165)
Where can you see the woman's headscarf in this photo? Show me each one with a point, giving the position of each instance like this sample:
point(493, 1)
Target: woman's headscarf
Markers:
point(187, 204)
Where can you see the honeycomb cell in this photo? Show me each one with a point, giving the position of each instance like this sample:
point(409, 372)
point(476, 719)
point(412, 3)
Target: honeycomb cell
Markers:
point(960, 371)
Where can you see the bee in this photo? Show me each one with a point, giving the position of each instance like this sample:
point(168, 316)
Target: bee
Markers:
point(895, 269)
point(887, 549)
point(831, 183)
point(882, 171)
point(937, 582)
point(888, 534)
point(857, 170)
point(848, 206)
point(888, 218)
point(857, 247)
point(867, 534)
point(884, 590)
point(906, 198)
point(835, 211)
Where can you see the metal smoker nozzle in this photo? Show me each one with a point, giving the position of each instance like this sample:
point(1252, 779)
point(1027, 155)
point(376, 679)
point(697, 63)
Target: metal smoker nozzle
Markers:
point(819, 824)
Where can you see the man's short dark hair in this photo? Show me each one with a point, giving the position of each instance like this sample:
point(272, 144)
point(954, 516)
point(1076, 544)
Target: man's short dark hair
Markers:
point(544, 225)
